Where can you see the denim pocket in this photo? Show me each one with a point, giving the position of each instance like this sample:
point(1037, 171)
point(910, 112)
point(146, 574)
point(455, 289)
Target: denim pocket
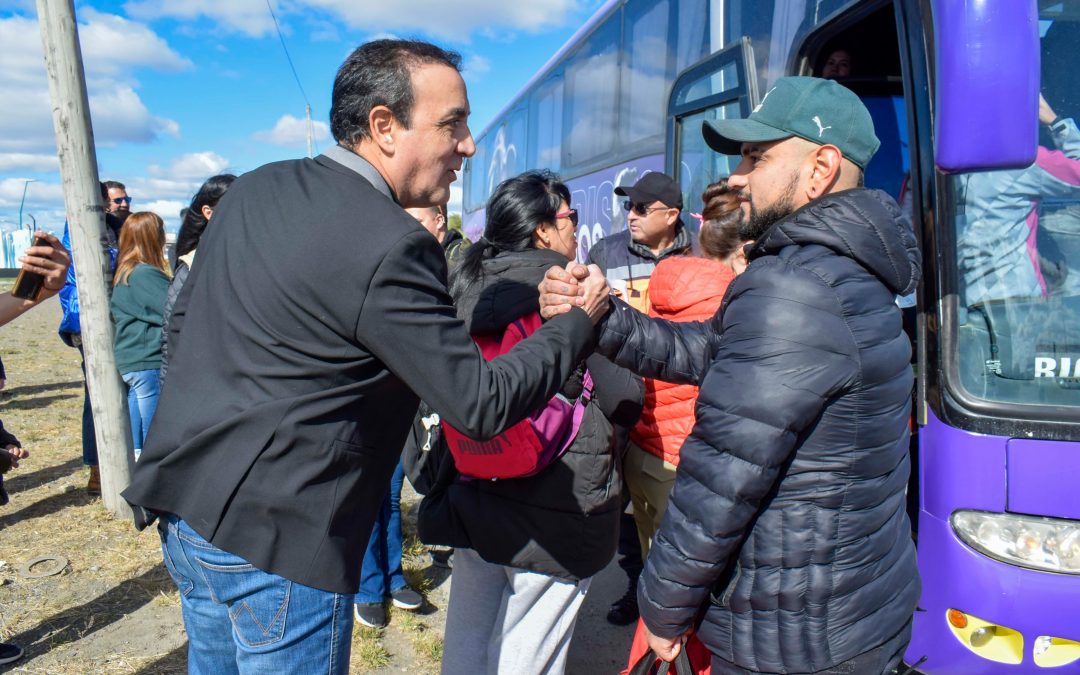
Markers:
point(183, 584)
point(258, 602)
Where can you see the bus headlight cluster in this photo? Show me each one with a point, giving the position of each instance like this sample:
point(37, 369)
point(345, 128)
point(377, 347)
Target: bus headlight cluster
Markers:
point(1049, 544)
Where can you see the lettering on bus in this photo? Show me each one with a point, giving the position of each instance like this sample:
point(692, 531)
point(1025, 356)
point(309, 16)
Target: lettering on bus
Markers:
point(1057, 367)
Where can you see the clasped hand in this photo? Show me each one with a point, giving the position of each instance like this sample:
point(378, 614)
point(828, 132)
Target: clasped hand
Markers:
point(574, 286)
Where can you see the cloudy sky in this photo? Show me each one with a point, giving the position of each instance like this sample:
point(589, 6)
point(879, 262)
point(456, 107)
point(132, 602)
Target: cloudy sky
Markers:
point(183, 89)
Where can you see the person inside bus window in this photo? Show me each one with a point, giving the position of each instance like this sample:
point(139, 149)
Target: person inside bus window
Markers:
point(998, 256)
point(837, 65)
point(786, 540)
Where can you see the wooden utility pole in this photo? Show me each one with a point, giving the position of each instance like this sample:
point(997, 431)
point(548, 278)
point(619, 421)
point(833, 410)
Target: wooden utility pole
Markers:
point(86, 220)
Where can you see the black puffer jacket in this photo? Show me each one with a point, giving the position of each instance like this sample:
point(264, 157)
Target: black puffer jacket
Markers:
point(787, 524)
point(564, 521)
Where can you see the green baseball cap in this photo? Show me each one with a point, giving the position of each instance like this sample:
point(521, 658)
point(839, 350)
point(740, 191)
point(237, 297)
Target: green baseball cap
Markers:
point(820, 111)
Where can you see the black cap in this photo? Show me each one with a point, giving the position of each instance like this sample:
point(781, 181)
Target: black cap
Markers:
point(653, 187)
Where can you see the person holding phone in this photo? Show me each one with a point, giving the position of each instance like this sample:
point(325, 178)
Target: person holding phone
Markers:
point(138, 303)
point(48, 259)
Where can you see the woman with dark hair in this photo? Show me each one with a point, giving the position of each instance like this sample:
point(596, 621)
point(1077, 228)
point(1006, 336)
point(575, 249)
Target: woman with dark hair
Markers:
point(196, 218)
point(139, 287)
point(682, 288)
point(526, 548)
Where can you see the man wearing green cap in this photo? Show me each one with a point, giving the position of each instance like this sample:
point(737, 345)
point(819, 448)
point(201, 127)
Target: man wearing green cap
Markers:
point(786, 543)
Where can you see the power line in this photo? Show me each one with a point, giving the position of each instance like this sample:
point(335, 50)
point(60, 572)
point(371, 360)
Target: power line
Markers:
point(277, 27)
point(286, 50)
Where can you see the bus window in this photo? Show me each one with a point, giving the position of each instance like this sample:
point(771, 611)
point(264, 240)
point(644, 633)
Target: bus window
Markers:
point(545, 126)
point(774, 28)
point(647, 65)
point(694, 38)
point(699, 165)
point(476, 195)
point(506, 149)
point(1018, 249)
point(891, 162)
point(592, 82)
point(717, 88)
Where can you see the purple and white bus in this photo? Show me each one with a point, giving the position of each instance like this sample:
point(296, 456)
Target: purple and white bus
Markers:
point(992, 182)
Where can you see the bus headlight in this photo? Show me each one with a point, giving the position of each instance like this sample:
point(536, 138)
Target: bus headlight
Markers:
point(1049, 544)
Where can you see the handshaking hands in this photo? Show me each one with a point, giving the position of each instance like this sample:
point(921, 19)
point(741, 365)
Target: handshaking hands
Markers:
point(574, 286)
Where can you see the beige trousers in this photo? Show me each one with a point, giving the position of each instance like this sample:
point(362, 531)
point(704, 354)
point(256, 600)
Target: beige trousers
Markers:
point(649, 479)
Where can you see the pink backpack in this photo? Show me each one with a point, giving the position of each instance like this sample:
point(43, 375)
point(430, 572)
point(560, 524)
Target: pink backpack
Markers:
point(533, 443)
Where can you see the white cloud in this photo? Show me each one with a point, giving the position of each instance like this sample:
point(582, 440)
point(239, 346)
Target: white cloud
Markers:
point(24, 161)
point(192, 166)
point(112, 45)
point(447, 20)
point(113, 48)
point(244, 16)
point(292, 131)
point(168, 209)
point(38, 194)
point(453, 205)
point(474, 67)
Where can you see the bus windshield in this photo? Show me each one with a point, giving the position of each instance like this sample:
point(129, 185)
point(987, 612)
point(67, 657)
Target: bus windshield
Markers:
point(1017, 255)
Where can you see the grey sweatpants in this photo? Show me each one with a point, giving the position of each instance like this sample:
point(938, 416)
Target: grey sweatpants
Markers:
point(507, 621)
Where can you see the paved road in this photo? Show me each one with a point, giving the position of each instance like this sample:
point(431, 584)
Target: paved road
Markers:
point(598, 647)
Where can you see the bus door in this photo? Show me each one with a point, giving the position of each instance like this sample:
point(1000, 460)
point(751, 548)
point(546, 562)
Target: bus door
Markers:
point(722, 86)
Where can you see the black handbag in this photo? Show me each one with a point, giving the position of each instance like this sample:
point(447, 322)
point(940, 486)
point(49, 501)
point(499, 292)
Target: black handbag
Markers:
point(650, 664)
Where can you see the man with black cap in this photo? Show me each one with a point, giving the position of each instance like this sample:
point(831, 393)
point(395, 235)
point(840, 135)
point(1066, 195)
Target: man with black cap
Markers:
point(654, 232)
point(786, 543)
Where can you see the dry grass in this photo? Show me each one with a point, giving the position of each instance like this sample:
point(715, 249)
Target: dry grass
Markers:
point(113, 609)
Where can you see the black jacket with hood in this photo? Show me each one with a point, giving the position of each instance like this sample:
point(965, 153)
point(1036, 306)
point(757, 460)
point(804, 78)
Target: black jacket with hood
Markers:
point(563, 521)
point(786, 537)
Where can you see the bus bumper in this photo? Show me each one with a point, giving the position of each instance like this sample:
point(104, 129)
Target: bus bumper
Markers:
point(1015, 620)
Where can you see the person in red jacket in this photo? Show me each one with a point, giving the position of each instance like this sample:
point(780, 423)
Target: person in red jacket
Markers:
point(682, 288)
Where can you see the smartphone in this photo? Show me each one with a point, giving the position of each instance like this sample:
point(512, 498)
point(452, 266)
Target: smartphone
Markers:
point(28, 284)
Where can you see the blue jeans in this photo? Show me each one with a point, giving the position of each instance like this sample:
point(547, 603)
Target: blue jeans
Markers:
point(144, 388)
point(89, 440)
point(381, 573)
point(240, 619)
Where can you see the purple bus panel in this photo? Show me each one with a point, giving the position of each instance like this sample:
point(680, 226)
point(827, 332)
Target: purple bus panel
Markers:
point(962, 470)
point(987, 84)
point(1044, 479)
point(600, 211)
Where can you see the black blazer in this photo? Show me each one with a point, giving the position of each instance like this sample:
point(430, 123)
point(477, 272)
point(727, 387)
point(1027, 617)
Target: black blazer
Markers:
point(315, 315)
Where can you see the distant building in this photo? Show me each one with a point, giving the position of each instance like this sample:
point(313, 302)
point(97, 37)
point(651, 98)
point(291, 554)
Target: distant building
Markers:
point(15, 242)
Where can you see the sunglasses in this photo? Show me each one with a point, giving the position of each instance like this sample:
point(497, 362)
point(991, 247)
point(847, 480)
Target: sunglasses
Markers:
point(641, 209)
point(571, 214)
point(122, 200)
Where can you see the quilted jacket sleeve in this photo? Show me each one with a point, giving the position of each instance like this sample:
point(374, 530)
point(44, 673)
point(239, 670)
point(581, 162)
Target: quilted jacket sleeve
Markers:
point(784, 351)
point(657, 348)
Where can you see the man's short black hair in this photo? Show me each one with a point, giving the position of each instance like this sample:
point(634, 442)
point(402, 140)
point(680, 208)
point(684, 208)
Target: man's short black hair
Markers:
point(380, 73)
point(114, 185)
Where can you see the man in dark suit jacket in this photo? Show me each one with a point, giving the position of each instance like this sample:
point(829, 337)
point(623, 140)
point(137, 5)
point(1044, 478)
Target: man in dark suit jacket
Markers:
point(300, 350)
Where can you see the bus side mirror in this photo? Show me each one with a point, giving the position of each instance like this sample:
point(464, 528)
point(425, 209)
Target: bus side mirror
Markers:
point(987, 79)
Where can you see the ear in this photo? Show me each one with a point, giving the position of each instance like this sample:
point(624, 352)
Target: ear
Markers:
point(541, 239)
point(206, 211)
point(824, 170)
point(382, 123)
point(672, 216)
